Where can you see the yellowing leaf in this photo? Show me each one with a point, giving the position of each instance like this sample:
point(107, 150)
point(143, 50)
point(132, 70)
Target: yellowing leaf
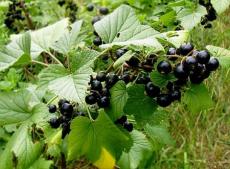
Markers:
point(106, 160)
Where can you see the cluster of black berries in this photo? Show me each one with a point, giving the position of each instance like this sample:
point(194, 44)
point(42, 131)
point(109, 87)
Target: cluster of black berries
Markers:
point(14, 14)
point(124, 122)
point(71, 8)
point(65, 113)
point(211, 16)
point(103, 11)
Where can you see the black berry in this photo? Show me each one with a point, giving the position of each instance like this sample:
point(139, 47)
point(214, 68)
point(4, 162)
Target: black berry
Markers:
point(101, 76)
point(164, 100)
point(90, 7)
point(52, 108)
point(128, 126)
point(103, 102)
point(212, 64)
point(111, 80)
point(95, 19)
point(104, 10)
point(61, 102)
point(133, 62)
point(67, 109)
point(152, 90)
point(97, 41)
point(90, 99)
point(125, 78)
point(203, 57)
point(121, 120)
point(185, 49)
point(54, 122)
point(164, 67)
point(190, 63)
point(175, 95)
point(96, 85)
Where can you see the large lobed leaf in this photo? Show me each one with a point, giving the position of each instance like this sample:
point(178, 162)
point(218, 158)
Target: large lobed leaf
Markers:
point(71, 84)
point(220, 6)
point(89, 137)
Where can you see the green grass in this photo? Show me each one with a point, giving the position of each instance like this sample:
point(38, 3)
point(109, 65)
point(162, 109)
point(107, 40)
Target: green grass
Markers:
point(203, 139)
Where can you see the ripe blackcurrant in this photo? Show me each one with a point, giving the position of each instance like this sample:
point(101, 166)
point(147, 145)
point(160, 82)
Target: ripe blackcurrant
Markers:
point(52, 108)
point(128, 126)
point(212, 64)
point(121, 120)
point(186, 48)
point(54, 122)
point(203, 57)
point(111, 80)
point(61, 102)
point(103, 102)
point(90, 99)
point(164, 67)
point(175, 95)
point(95, 19)
point(125, 78)
point(67, 109)
point(190, 63)
point(90, 7)
point(208, 25)
point(171, 51)
point(196, 79)
point(97, 41)
point(143, 79)
point(152, 90)
point(105, 92)
point(101, 76)
point(133, 62)
point(96, 85)
point(164, 100)
point(104, 10)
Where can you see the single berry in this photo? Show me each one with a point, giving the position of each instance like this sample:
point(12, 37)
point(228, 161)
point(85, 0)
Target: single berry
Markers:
point(97, 41)
point(171, 51)
point(54, 122)
point(120, 52)
point(175, 95)
point(133, 62)
point(128, 126)
point(203, 57)
point(190, 63)
point(121, 120)
point(204, 20)
point(152, 90)
point(104, 10)
point(95, 19)
point(208, 26)
point(52, 108)
point(67, 109)
point(196, 79)
point(90, 99)
point(61, 2)
point(103, 102)
point(61, 102)
point(96, 85)
point(143, 79)
point(186, 48)
point(101, 76)
point(164, 100)
point(111, 80)
point(125, 78)
point(90, 7)
point(164, 67)
point(212, 64)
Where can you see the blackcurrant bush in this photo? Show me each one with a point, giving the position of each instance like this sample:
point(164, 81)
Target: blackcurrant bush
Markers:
point(95, 19)
point(164, 100)
point(212, 64)
point(90, 99)
point(186, 48)
point(190, 63)
point(203, 57)
point(121, 120)
point(54, 122)
point(97, 41)
point(175, 95)
point(152, 90)
point(104, 10)
point(103, 102)
point(52, 108)
point(90, 7)
point(128, 126)
point(164, 67)
point(101, 76)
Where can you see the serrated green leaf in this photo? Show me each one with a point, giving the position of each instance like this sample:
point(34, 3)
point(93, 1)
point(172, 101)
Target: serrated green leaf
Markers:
point(140, 150)
point(19, 107)
point(222, 54)
point(118, 100)
point(122, 28)
point(190, 17)
point(16, 52)
point(220, 6)
point(41, 163)
point(197, 98)
point(159, 135)
point(89, 137)
point(69, 39)
point(72, 84)
point(138, 104)
point(20, 151)
point(161, 80)
point(122, 59)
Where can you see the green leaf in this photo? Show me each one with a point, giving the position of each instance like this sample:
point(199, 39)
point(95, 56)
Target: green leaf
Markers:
point(140, 150)
point(138, 104)
point(20, 151)
point(69, 39)
point(161, 80)
point(16, 52)
point(19, 107)
point(122, 59)
point(89, 137)
point(41, 163)
point(197, 98)
point(159, 135)
point(220, 6)
point(122, 28)
point(190, 17)
point(72, 84)
point(222, 54)
point(118, 100)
